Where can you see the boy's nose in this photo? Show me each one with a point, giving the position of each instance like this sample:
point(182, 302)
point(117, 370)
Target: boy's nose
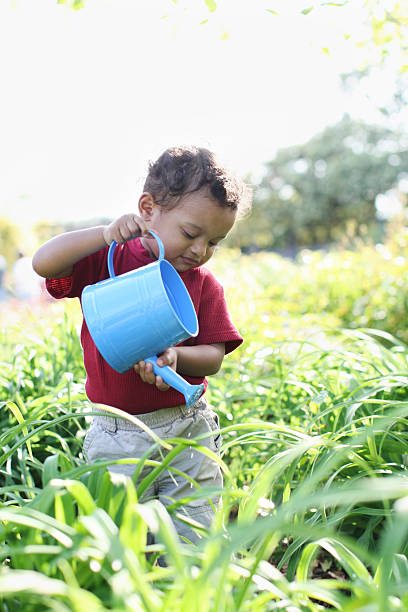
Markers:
point(199, 248)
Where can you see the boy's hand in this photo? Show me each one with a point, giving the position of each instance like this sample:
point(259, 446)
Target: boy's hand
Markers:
point(145, 370)
point(125, 228)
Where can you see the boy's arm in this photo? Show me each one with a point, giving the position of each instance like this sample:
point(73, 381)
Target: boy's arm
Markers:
point(56, 258)
point(200, 360)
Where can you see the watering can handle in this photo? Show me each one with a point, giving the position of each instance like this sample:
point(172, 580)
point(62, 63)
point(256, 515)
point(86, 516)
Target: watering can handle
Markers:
point(112, 247)
point(191, 392)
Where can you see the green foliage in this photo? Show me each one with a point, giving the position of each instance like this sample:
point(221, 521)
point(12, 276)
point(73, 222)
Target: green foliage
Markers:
point(44, 230)
point(385, 36)
point(211, 5)
point(312, 192)
point(74, 4)
point(10, 237)
point(366, 287)
point(314, 425)
point(389, 31)
point(384, 52)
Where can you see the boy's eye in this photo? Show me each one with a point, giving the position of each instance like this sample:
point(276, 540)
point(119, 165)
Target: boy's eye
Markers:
point(189, 236)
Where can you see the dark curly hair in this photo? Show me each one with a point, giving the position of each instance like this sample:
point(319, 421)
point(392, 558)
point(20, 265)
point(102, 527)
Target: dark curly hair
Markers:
point(182, 170)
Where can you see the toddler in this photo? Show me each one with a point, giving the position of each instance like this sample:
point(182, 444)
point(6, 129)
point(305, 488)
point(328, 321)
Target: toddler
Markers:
point(191, 202)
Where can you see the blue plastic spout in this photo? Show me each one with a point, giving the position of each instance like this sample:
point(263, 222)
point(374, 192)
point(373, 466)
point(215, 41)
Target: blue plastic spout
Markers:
point(191, 392)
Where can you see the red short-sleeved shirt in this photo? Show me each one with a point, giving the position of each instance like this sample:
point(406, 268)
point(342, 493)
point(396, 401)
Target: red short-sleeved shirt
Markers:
point(127, 391)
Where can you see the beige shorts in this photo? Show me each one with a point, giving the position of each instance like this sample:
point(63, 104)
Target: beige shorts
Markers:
point(111, 438)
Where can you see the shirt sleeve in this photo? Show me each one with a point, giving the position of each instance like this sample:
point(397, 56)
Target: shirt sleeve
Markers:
point(87, 271)
point(215, 323)
point(58, 287)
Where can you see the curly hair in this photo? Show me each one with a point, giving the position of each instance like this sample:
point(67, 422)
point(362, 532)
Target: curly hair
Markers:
point(183, 170)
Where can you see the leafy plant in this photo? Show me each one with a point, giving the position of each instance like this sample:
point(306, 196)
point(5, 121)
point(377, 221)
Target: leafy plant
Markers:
point(313, 418)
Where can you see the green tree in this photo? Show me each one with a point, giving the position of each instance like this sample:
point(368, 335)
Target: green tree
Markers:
point(386, 35)
point(384, 50)
point(10, 240)
point(389, 31)
point(312, 192)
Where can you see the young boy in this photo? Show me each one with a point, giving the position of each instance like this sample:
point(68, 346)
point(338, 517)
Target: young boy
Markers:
point(192, 203)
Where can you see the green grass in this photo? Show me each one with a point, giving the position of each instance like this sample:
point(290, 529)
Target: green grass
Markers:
point(313, 414)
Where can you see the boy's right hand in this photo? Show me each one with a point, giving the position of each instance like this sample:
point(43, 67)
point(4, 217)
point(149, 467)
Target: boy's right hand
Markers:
point(125, 228)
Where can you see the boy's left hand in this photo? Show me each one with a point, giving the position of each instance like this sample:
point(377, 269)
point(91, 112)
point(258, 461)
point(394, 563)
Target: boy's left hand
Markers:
point(145, 370)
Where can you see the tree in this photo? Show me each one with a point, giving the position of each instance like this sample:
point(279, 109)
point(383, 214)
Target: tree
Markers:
point(389, 31)
point(10, 240)
point(312, 192)
point(384, 51)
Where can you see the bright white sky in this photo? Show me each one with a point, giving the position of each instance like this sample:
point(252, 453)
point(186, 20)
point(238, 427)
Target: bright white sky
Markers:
point(88, 97)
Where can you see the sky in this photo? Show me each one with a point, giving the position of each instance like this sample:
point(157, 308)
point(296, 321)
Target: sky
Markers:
point(90, 96)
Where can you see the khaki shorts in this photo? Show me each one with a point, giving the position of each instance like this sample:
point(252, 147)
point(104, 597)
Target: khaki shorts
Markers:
point(112, 438)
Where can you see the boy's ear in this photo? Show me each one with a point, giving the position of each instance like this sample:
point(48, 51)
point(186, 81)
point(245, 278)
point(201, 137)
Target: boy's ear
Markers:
point(146, 206)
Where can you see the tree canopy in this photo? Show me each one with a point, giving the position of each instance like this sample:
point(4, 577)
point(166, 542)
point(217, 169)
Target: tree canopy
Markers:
point(310, 193)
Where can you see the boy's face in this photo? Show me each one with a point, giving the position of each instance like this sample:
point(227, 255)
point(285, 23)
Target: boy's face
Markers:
point(190, 232)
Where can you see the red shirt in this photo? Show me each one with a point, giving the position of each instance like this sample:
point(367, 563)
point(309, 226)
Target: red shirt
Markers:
point(127, 391)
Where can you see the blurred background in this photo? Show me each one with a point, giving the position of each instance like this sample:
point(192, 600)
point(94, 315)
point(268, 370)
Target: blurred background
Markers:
point(306, 99)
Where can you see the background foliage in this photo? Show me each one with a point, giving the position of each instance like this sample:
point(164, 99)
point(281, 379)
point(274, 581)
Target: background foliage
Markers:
point(311, 193)
point(313, 417)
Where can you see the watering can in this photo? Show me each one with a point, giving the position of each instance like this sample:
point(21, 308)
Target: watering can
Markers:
point(137, 315)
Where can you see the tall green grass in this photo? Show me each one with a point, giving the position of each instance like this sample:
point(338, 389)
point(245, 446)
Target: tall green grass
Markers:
point(315, 504)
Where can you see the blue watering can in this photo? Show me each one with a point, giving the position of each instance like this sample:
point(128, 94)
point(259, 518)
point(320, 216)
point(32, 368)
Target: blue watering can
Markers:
point(137, 315)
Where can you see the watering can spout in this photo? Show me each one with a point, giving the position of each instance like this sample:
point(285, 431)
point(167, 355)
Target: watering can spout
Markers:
point(192, 393)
